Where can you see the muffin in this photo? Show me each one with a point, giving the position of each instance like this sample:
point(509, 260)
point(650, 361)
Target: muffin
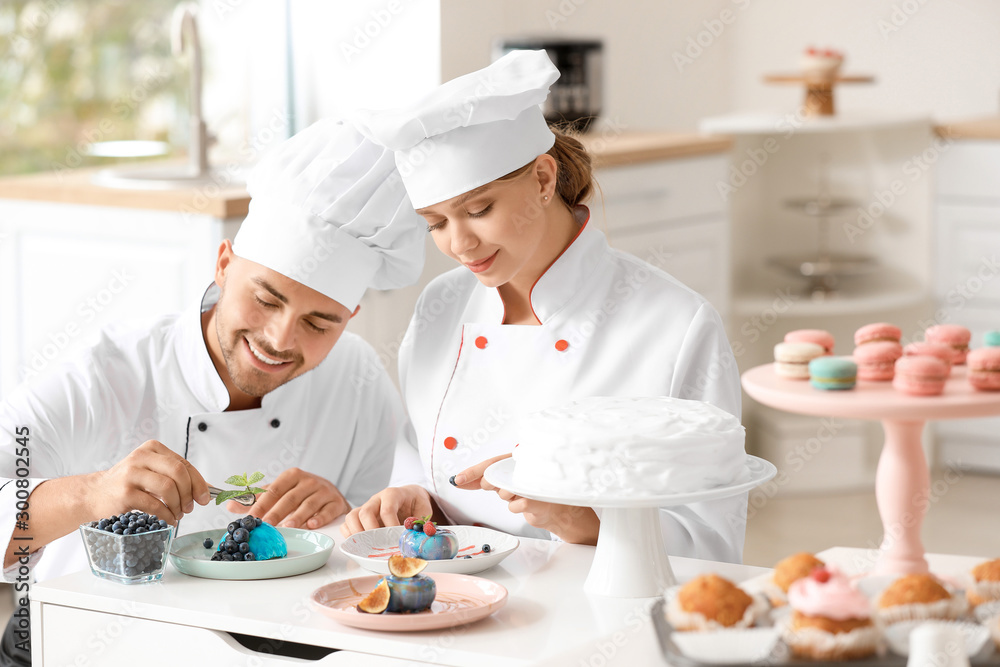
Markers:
point(787, 572)
point(709, 602)
point(986, 583)
point(830, 620)
point(918, 597)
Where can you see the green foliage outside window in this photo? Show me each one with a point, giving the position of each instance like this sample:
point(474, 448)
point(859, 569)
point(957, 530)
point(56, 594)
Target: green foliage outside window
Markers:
point(74, 72)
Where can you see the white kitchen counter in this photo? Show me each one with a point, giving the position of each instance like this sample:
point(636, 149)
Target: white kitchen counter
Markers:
point(546, 615)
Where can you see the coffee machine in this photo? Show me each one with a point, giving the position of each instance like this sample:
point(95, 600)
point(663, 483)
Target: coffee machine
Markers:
point(575, 98)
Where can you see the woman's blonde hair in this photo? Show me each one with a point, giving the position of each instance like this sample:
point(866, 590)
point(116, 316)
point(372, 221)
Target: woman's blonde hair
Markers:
point(575, 176)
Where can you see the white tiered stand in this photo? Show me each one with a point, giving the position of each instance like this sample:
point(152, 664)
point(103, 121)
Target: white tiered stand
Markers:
point(631, 558)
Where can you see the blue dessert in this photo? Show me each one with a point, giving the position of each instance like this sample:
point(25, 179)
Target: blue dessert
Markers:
point(410, 594)
point(423, 539)
point(250, 539)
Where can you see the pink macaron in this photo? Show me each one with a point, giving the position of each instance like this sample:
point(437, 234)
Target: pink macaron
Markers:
point(954, 336)
point(874, 333)
point(876, 361)
point(920, 376)
point(984, 368)
point(925, 349)
point(817, 336)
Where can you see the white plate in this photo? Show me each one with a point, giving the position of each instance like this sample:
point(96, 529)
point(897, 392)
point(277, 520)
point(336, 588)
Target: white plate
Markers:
point(307, 551)
point(371, 549)
point(756, 471)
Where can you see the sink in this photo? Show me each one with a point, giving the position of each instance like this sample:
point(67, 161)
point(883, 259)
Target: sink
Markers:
point(167, 177)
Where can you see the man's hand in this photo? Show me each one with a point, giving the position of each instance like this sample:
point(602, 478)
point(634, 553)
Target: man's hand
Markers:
point(295, 499)
point(389, 507)
point(153, 479)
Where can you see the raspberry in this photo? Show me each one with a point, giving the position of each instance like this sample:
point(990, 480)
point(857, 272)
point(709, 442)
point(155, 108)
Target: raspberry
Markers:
point(821, 574)
point(408, 524)
point(429, 529)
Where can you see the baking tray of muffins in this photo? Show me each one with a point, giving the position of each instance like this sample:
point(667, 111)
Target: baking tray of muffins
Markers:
point(807, 613)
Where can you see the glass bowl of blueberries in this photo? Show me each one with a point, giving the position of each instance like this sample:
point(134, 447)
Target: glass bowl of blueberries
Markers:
point(129, 548)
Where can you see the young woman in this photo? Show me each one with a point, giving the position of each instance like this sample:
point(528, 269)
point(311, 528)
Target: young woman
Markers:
point(540, 313)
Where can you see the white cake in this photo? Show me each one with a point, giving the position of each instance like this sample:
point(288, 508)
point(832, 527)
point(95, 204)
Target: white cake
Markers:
point(628, 447)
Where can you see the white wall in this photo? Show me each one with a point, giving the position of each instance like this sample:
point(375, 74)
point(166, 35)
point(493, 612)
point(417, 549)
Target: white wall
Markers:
point(644, 88)
point(935, 56)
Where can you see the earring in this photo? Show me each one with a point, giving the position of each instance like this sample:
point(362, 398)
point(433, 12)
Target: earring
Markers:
point(546, 197)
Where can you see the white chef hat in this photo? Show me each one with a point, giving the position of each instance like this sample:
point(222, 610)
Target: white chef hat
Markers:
point(329, 210)
point(470, 130)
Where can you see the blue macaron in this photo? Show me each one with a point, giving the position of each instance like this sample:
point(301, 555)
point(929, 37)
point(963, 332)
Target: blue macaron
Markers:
point(991, 339)
point(833, 373)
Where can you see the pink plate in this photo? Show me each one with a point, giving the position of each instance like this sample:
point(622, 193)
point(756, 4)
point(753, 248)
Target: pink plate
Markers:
point(460, 599)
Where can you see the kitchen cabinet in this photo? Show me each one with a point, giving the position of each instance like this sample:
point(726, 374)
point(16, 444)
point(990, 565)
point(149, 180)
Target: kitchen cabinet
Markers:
point(967, 275)
point(75, 258)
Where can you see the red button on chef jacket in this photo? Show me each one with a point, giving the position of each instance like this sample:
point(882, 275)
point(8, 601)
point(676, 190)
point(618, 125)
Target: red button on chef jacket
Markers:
point(450, 443)
point(481, 342)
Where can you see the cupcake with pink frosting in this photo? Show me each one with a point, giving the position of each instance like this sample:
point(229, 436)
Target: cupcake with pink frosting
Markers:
point(830, 620)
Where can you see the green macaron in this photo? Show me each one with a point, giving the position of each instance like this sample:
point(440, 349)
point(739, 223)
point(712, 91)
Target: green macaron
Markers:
point(833, 373)
point(991, 339)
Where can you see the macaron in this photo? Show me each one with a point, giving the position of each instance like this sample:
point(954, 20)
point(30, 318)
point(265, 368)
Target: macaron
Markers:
point(954, 336)
point(791, 360)
point(817, 336)
point(833, 373)
point(925, 349)
point(984, 368)
point(920, 376)
point(876, 360)
point(991, 339)
point(874, 333)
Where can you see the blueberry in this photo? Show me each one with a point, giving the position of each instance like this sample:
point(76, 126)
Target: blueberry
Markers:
point(116, 526)
point(231, 547)
point(140, 529)
point(257, 521)
point(248, 522)
point(249, 556)
point(163, 524)
point(217, 556)
point(127, 531)
point(241, 535)
point(466, 556)
point(208, 543)
point(228, 558)
point(486, 548)
point(244, 547)
point(141, 522)
point(231, 528)
point(237, 556)
point(102, 524)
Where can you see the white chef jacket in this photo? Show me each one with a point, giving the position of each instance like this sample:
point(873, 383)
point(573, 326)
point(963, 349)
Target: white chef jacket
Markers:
point(611, 325)
point(340, 421)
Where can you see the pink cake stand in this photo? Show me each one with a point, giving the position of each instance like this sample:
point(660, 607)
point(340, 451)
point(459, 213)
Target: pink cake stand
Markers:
point(902, 481)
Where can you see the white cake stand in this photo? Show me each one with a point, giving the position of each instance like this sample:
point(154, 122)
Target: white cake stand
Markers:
point(631, 559)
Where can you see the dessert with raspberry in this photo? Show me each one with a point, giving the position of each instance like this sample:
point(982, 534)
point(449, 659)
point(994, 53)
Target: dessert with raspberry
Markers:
point(422, 538)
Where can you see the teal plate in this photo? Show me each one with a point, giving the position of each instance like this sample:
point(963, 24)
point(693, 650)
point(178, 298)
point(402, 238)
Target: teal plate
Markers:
point(307, 551)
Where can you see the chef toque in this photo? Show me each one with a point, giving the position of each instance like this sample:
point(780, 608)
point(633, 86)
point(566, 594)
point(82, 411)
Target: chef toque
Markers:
point(469, 131)
point(329, 210)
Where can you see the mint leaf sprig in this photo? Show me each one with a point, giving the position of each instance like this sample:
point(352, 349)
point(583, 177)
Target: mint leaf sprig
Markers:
point(241, 480)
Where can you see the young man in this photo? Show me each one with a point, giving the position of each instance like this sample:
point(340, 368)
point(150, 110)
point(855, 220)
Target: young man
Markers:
point(260, 377)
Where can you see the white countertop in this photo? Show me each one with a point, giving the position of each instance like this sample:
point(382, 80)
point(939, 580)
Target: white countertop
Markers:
point(546, 615)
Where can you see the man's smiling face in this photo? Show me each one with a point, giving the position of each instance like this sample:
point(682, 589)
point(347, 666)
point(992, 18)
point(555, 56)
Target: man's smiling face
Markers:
point(270, 328)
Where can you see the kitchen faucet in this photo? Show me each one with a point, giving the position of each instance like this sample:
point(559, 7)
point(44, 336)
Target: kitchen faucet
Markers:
point(184, 34)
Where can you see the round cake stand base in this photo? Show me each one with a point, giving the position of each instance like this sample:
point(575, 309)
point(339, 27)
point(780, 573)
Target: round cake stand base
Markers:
point(630, 560)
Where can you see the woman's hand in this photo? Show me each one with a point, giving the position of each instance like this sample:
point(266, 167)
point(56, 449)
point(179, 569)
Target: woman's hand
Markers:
point(576, 525)
point(389, 507)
